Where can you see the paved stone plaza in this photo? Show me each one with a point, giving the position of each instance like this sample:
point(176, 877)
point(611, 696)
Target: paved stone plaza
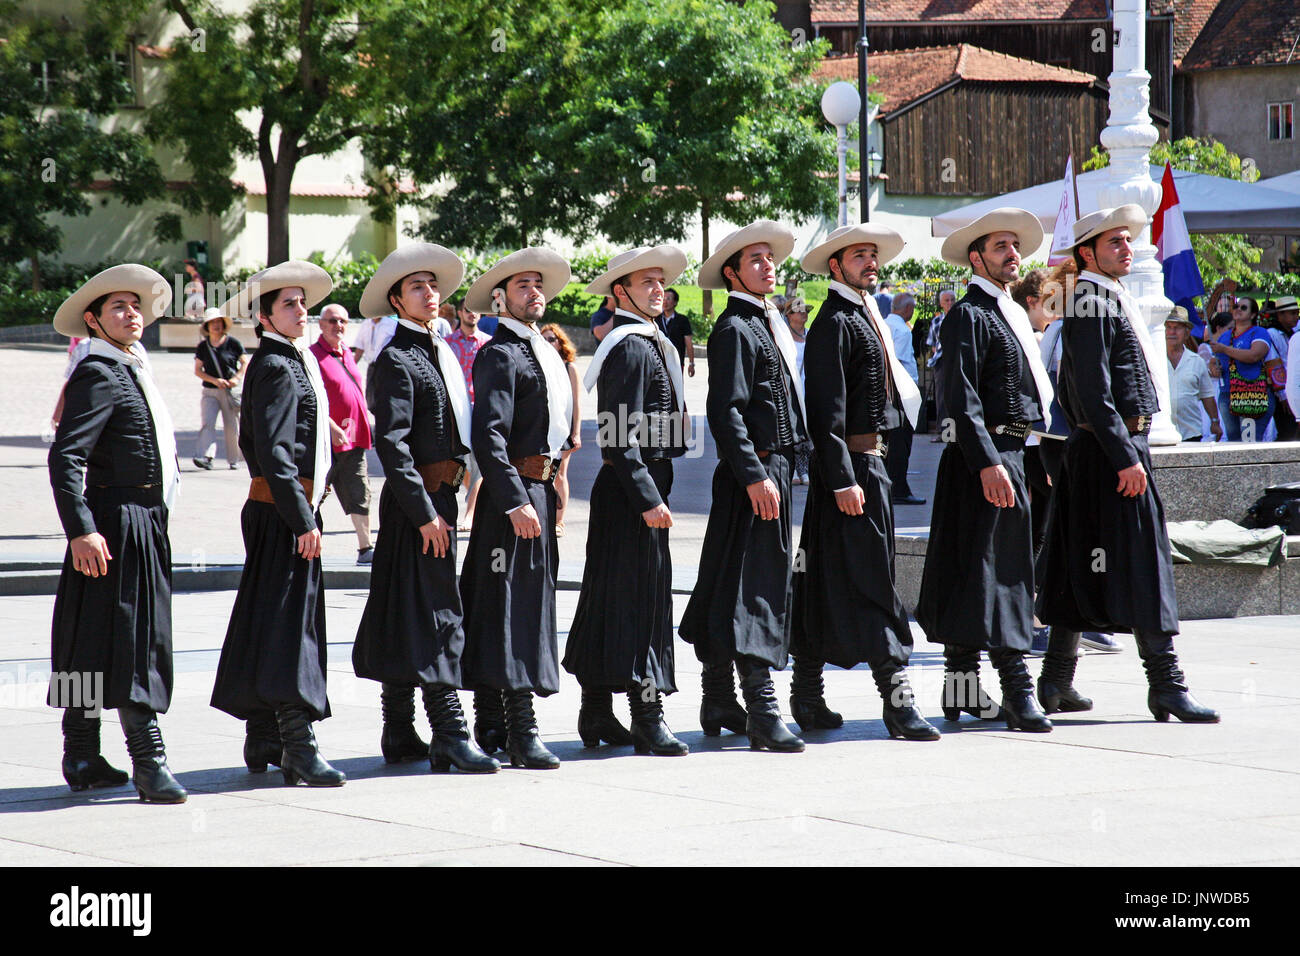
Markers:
point(1110, 787)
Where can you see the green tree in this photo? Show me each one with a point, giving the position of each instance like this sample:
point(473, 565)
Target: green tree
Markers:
point(1218, 256)
point(56, 83)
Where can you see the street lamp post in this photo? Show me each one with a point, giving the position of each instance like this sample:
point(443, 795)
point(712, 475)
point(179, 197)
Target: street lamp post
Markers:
point(840, 104)
point(864, 183)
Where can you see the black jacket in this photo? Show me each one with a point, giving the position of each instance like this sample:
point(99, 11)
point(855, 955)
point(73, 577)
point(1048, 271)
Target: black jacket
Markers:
point(1104, 377)
point(848, 390)
point(106, 437)
point(751, 404)
point(277, 429)
point(414, 420)
point(638, 414)
point(985, 376)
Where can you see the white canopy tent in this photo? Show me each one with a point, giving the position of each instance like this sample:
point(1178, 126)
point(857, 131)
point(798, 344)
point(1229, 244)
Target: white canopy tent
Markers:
point(1211, 204)
point(1287, 182)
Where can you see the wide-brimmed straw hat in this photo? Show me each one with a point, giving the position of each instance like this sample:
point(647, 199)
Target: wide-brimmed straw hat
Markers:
point(314, 281)
point(888, 245)
point(1006, 219)
point(209, 315)
point(1130, 216)
point(779, 237)
point(667, 257)
point(1179, 314)
point(446, 266)
point(552, 267)
point(154, 293)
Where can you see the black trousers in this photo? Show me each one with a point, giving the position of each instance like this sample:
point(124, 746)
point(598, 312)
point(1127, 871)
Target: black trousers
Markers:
point(899, 442)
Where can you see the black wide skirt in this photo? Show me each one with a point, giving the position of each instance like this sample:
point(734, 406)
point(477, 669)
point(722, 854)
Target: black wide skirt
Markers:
point(622, 631)
point(847, 609)
point(410, 631)
point(274, 655)
point(507, 589)
point(112, 635)
point(1105, 564)
point(741, 603)
point(977, 588)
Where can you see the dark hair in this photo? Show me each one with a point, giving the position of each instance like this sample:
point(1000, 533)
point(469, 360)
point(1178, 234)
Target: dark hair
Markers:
point(266, 302)
point(732, 263)
point(1078, 259)
point(1254, 306)
point(978, 245)
point(622, 280)
point(676, 297)
point(1220, 320)
point(394, 290)
point(95, 308)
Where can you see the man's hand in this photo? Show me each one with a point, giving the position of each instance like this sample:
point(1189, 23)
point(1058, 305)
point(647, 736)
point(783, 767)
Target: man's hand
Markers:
point(90, 554)
point(658, 517)
point(690, 369)
point(309, 544)
point(1132, 481)
point(763, 496)
point(850, 500)
point(438, 534)
point(525, 522)
point(1215, 428)
point(997, 487)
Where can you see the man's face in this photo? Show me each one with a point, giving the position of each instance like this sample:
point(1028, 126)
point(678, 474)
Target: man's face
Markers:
point(524, 296)
point(468, 319)
point(1000, 259)
point(1175, 333)
point(857, 266)
point(756, 273)
point(120, 318)
point(1114, 251)
point(645, 290)
point(289, 314)
point(1288, 319)
point(946, 301)
point(420, 297)
point(333, 325)
point(670, 302)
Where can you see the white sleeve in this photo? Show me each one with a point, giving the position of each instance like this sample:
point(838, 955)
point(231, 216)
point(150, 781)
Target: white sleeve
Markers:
point(1293, 375)
point(1205, 387)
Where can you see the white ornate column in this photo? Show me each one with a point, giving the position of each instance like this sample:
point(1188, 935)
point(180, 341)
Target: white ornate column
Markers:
point(1128, 137)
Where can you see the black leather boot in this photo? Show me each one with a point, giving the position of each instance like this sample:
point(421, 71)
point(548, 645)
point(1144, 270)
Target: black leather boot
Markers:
point(301, 759)
point(763, 724)
point(650, 735)
point(718, 706)
point(83, 766)
point(523, 745)
point(808, 697)
point(1018, 703)
point(962, 692)
point(149, 771)
point(489, 721)
point(1169, 693)
point(399, 741)
point(1056, 680)
point(262, 744)
point(901, 716)
point(596, 720)
point(451, 743)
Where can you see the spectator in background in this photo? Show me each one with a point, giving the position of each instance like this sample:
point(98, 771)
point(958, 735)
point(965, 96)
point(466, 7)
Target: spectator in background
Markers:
point(465, 342)
point(372, 335)
point(898, 440)
point(884, 301)
point(602, 320)
point(195, 292)
point(349, 425)
point(555, 335)
point(487, 324)
point(219, 360)
point(1241, 351)
point(1282, 316)
point(795, 312)
point(1190, 384)
point(947, 299)
point(1289, 312)
point(677, 330)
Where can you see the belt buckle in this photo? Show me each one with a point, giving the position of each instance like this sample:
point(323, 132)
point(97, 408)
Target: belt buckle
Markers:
point(460, 473)
point(881, 447)
point(1143, 421)
point(546, 469)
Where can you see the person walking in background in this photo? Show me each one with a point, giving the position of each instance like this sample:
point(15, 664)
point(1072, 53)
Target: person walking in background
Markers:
point(899, 440)
point(465, 341)
point(1190, 385)
point(795, 312)
point(1282, 315)
point(1245, 396)
point(561, 343)
point(219, 360)
point(348, 423)
point(947, 299)
point(884, 299)
point(371, 337)
point(677, 329)
point(602, 320)
point(195, 292)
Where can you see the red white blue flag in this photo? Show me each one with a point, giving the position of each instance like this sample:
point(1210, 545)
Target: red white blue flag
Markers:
point(1173, 244)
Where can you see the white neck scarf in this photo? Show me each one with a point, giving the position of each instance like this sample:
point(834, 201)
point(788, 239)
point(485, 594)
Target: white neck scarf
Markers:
point(163, 429)
point(784, 345)
point(323, 456)
point(641, 327)
point(559, 392)
point(909, 393)
point(1132, 312)
point(1018, 320)
point(452, 376)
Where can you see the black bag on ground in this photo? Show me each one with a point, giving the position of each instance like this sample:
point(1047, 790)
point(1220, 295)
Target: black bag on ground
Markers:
point(1279, 505)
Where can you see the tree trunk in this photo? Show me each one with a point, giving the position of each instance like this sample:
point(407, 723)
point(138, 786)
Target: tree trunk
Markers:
point(277, 214)
point(707, 297)
point(36, 273)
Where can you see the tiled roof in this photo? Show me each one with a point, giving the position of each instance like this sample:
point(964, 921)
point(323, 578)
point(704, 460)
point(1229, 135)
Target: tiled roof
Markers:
point(1189, 20)
point(1247, 33)
point(907, 75)
point(888, 11)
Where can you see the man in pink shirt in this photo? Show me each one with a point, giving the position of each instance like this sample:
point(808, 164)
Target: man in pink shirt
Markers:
point(465, 340)
point(349, 424)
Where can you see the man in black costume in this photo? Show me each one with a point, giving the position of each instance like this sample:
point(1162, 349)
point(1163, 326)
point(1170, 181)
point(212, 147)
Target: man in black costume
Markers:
point(273, 662)
point(622, 633)
point(411, 631)
point(740, 608)
point(977, 589)
point(522, 419)
point(1106, 564)
point(114, 474)
point(846, 607)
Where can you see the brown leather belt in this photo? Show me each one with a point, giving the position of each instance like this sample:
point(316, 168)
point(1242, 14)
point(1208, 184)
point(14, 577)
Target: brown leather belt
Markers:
point(537, 467)
point(1137, 425)
point(260, 490)
point(439, 473)
point(869, 443)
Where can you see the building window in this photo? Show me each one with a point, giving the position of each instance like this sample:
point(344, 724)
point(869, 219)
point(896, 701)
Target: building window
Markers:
point(46, 76)
point(124, 62)
point(1281, 123)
